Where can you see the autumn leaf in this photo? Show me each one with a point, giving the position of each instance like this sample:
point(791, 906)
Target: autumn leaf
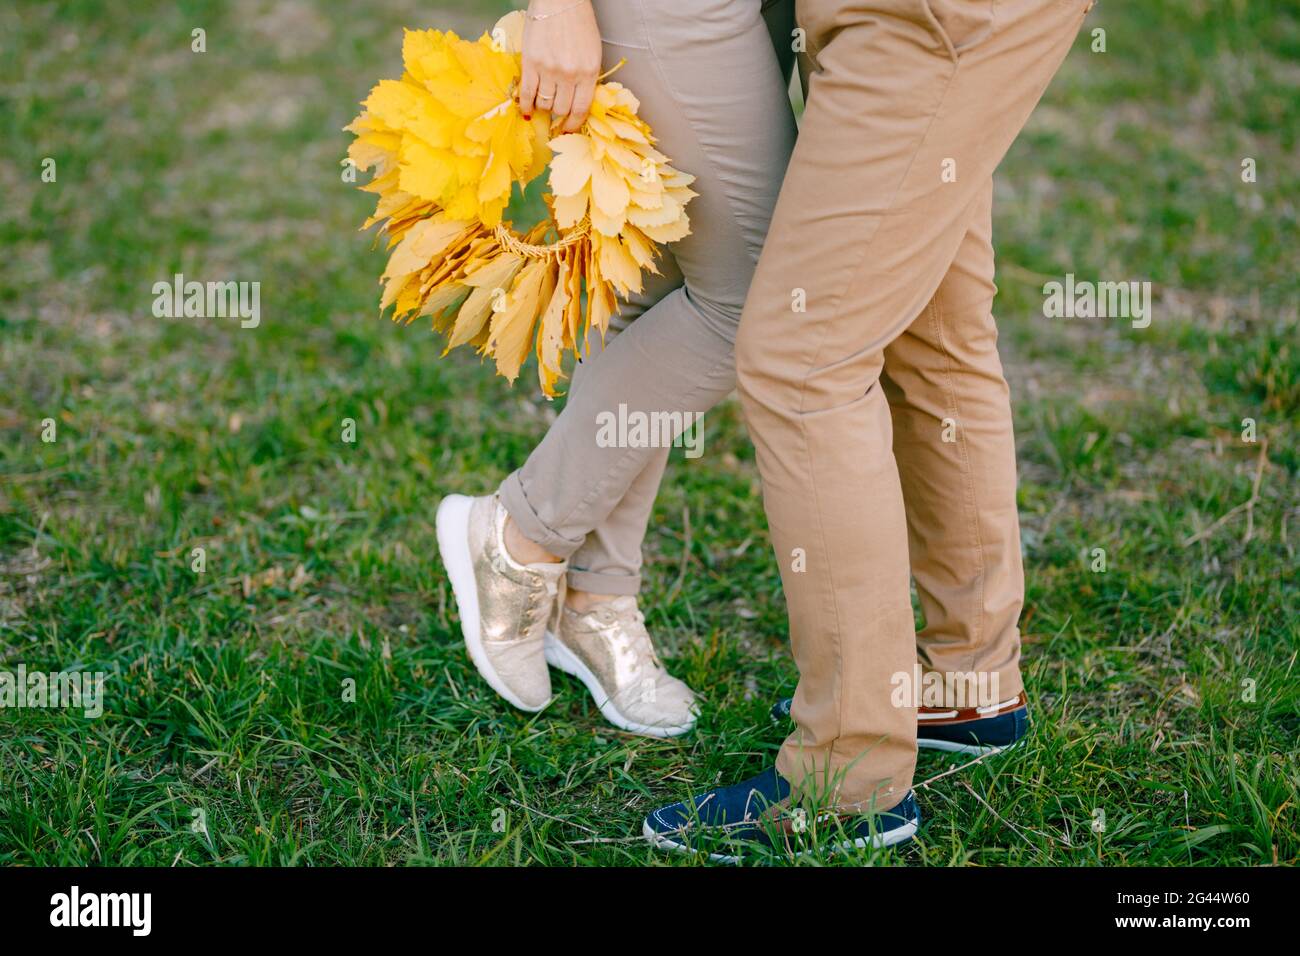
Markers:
point(447, 145)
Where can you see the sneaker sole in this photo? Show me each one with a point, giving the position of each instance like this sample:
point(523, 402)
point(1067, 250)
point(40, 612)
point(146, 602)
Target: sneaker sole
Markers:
point(977, 750)
point(452, 522)
point(948, 746)
point(879, 841)
point(561, 658)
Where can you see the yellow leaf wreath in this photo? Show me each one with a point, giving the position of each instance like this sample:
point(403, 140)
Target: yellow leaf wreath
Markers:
point(447, 143)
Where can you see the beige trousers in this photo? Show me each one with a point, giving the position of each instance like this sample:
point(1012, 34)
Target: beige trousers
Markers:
point(869, 373)
point(712, 78)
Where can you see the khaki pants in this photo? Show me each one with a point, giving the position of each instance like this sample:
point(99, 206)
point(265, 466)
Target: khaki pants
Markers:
point(872, 296)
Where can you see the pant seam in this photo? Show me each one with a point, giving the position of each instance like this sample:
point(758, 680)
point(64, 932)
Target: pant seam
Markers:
point(834, 603)
point(968, 476)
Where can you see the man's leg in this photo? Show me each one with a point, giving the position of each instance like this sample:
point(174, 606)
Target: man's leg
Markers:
point(953, 443)
point(912, 104)
point(956, 456)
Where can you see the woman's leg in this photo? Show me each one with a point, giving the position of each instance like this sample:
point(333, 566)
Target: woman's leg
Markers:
point(609, 561)
point(712, 87)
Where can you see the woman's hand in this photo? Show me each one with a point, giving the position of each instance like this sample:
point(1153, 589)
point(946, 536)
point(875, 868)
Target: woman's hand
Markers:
point(561, 60)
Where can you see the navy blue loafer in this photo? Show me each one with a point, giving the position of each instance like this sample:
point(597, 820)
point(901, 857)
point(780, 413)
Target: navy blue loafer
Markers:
point(970, 730)
point(725, 822)
point(973, 730)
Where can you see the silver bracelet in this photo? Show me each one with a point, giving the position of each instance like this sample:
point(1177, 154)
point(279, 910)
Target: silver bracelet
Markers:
point(553, 13)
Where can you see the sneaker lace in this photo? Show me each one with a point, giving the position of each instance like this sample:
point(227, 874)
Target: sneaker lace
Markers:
point(632, 641)
point(537, 605)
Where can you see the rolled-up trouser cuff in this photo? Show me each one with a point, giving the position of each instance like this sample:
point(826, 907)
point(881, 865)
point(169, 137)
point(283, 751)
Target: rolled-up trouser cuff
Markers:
point(515, 501)
point(593, 582)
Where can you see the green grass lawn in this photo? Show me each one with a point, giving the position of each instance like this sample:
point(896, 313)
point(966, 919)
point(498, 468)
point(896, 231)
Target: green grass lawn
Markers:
point(1164, 689)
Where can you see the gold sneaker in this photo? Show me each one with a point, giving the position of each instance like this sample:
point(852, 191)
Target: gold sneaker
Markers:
point(609, 650)
point(505, 607)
